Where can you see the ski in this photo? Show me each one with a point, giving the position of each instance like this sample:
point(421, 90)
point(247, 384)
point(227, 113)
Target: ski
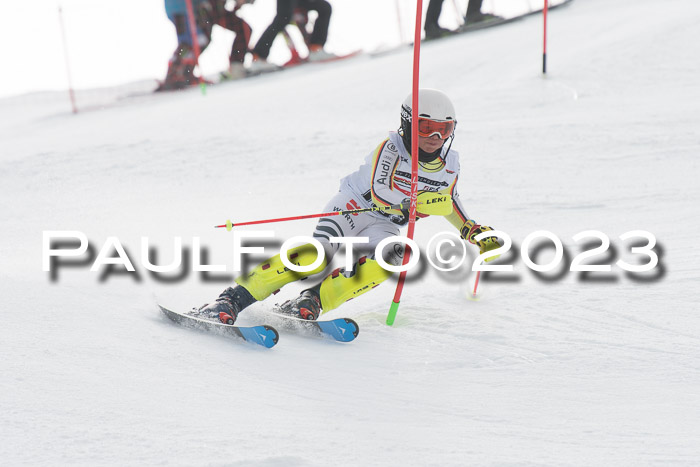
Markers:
point(465, 28)
point(340, 329)
point(498, 22)
point(333, 58)
point(290, 64)
point(264, 335)
point(253, 74)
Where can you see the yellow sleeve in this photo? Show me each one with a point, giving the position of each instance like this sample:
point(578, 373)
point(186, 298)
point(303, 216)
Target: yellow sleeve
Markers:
point(459, 216)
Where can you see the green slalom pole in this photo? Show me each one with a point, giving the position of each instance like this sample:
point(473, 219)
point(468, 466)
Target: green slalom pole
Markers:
point(393, 309)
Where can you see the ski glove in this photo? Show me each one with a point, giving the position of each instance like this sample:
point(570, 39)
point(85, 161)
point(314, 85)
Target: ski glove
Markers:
point(431, 203)
point(471, 229)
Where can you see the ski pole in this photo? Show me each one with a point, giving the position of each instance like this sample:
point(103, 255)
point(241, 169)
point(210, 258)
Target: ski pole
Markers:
point(192, 23)
point(399, 22)
point(296, 58)
point(71, 94)
point(476, 283)
point(229, 225)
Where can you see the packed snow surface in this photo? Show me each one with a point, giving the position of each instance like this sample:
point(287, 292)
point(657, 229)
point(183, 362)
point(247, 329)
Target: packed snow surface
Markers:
point(556, 369)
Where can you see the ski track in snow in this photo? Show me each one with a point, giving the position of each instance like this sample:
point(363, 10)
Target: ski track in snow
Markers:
point(557, 371)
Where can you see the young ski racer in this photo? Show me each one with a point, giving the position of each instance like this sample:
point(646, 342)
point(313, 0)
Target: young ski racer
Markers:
point(383, 180)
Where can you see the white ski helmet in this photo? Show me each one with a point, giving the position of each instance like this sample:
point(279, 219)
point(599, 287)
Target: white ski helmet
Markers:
point(433, 106)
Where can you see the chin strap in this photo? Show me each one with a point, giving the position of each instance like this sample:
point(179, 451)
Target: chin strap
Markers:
point(452, 137)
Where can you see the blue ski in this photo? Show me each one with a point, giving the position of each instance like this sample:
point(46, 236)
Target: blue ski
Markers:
point(340, 329)
point(263, 335)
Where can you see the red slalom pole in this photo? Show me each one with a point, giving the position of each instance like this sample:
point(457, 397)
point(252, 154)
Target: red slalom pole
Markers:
point(544, 37)
point(71, 94)
point(414, 162)
point(195, 42)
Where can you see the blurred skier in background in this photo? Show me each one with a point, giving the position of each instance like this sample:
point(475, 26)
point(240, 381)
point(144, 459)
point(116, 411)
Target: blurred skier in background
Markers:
point(207, 13)
point(432, 29)
point(382, 182)
point(241, 43)
point(287, 10)
point(473, 16)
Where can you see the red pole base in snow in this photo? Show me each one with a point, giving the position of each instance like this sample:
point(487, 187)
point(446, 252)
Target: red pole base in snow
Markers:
point(544, 63)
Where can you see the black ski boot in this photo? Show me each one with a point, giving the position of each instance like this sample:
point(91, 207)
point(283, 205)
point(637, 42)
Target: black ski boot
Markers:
point(180, 75)
point(433, 31)
point(479, 17)
point(226, 308)
point(305, 306)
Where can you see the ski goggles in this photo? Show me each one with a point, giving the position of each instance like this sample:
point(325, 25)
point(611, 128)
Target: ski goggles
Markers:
point(427, 128)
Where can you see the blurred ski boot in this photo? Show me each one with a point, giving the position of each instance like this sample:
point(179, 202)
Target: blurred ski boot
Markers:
point(261, 65)
point(480, 18)
point(227, 307)
point(317, 54)
point(305, 306)
point(433, 31)
point(235, 71)
point(180, 74)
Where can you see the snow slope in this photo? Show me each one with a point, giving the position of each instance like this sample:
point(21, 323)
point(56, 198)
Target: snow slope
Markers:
point(566, 370)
